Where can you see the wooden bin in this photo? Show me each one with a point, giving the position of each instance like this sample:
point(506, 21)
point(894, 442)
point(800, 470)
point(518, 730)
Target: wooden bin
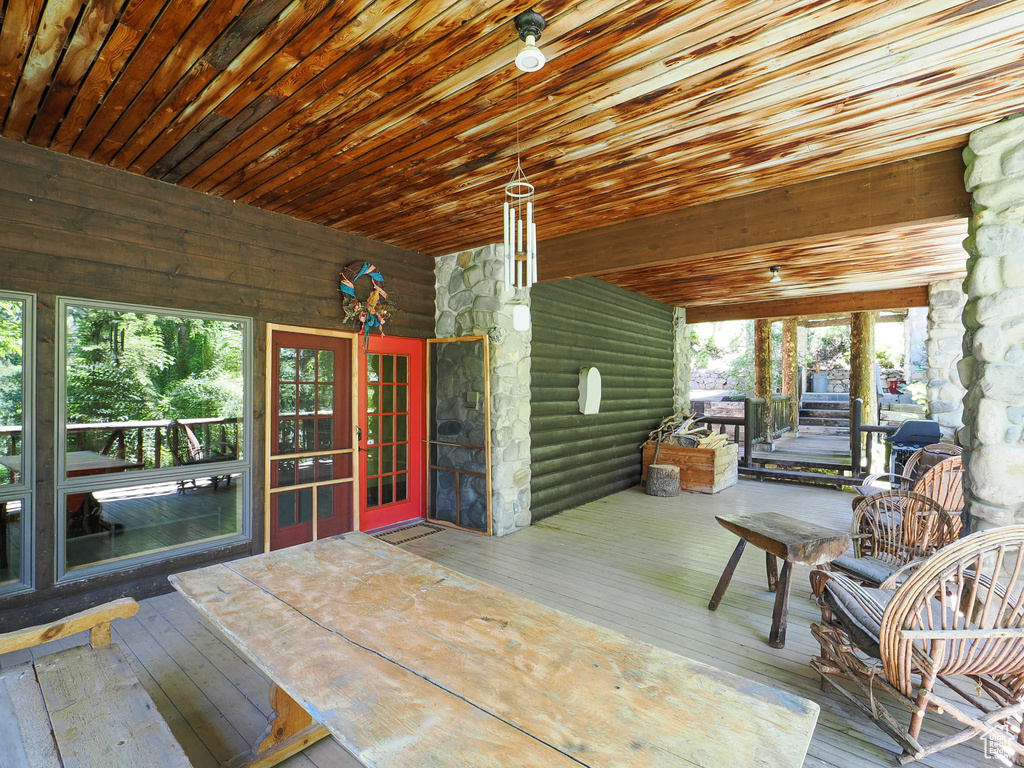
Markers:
point(703, 470)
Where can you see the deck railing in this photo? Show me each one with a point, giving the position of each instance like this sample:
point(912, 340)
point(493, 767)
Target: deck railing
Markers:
point(765, 422)
point(860, 451)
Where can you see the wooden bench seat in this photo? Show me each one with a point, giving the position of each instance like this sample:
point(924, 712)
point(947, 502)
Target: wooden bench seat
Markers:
point(82, 707)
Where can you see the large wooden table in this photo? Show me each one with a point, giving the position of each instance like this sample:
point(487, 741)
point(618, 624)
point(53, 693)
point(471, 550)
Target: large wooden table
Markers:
point(786, 538)
point(408, 663)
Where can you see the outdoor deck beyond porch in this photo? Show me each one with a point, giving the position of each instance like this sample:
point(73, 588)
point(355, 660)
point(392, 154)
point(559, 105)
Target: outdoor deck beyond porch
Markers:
point(640, 565)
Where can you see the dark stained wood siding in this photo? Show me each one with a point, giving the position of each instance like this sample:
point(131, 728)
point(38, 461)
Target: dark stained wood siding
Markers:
point(587, 322)
point(73, 228)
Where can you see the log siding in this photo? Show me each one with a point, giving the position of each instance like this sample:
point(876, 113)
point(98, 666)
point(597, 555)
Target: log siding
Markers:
point(73, 228)
point(587, 322)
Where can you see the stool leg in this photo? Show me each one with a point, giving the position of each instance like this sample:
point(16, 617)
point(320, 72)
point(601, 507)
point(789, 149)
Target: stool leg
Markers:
point(723, 583)
point(773, 571)
point(780, 616)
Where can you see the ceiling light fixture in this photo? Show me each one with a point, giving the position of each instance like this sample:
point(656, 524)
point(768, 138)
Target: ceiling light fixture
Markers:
point(529, 25)
point(775, 274)
point(520, 228)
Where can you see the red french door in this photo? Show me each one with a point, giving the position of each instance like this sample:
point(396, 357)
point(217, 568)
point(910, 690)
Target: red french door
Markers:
point(311, 488)
point(391, 427)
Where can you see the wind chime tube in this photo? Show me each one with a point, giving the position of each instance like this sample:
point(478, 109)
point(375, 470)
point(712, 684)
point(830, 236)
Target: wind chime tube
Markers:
point(512, 245)
point(508, 244)
point(533, 252)
point(520, 225)
point(519, 269)
point(529, 243)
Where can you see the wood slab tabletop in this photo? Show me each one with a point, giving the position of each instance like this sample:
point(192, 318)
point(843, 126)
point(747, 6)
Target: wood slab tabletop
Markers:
point(788, 538)
point(408, 663)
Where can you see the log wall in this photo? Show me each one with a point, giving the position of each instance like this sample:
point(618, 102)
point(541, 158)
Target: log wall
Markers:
point(587, 322)
point(73, 228)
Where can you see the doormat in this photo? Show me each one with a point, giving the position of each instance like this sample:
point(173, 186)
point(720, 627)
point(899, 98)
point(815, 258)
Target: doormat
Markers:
point(401, 536)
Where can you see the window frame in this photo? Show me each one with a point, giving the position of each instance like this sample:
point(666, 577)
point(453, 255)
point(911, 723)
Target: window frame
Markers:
point(24, 491)
point(64, 486)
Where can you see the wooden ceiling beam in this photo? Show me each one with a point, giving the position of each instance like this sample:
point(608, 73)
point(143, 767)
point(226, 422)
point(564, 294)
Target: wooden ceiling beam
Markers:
point(922, 189)
point(864, 301)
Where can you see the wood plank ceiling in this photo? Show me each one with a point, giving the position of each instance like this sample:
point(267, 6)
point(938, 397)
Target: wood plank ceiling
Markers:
point(395, 119)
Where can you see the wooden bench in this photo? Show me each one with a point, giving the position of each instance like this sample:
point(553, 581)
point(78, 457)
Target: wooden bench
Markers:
point(82, 707)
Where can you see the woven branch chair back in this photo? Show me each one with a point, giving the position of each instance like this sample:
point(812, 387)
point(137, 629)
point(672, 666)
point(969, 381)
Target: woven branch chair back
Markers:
point(974, 584)
point(944, 483)
point(899, 526)
point(919, 460)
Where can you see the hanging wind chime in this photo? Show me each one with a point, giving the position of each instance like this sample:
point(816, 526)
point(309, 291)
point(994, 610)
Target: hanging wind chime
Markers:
point(520, 228)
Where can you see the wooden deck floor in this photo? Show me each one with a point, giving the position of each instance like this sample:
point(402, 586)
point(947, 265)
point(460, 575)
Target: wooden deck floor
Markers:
point(640, 565)
point(831, 449)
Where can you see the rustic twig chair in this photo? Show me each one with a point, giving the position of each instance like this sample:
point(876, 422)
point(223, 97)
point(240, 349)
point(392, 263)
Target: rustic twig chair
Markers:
point(958, 619)
point(190, 451)
point(891, 529)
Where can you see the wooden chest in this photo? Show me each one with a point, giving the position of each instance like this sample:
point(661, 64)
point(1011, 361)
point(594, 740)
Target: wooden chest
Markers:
point(700, 469)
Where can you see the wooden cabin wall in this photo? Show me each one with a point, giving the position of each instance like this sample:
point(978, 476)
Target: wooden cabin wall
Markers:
point(73, 228)
point(588, 322)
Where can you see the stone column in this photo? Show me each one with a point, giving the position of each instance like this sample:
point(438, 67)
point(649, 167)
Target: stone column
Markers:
point(863, 382)
point(992, 368)
point(791, 369)
point(681, 353)
point(946, 301)
point(473, 300)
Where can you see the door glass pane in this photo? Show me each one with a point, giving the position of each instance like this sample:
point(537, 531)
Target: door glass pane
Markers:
point(325, 468)
point(285, 509)
point(372, 462)
point(387, 368)
point(285, 472)
point(387, 424)
point(307, 365)
point(373, 367)
point(373, 430)
point(286, 436)
point(306, 431)
point(324, 434)
point(307, 393)
point(306, 505)
point(401, 399)
point(325, 398)
point(402, 369)
point(401, 428)
point(286, 364)
point(326, 365)
point(401, 487)
point(387, 463)
point(325, 502)
point(388, 400)
point(401, 457)
point(386, 489)
point(372, 493)
point(372, 399)
point(306, 467)
point(286, 399)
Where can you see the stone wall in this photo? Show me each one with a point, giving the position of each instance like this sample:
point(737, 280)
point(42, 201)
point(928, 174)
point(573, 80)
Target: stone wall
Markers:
point(992, 368)
point(681, 354)
point(472, 300)
point(946, 301)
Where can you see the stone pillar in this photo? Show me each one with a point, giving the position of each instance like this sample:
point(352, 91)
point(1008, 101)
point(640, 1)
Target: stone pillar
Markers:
point(680, 360)
point(915, 337)
point(946, 301)
point(791, 369)
point(992, 368)
point(863, 380)
point(473, 300)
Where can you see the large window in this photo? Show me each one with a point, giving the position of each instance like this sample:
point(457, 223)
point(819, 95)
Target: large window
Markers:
point(155, 457)
point(16, 446)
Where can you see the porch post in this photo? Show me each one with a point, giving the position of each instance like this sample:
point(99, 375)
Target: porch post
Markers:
point(863, 382)
point(791, 369)
point(763, 370)
point(681, 355)
point(992, 369)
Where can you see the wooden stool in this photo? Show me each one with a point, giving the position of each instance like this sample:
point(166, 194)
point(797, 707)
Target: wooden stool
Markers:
point(663, 480)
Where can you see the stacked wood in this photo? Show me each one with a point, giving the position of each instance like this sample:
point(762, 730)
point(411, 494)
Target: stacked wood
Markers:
point(705, 460)
point(663, 480)
point(682, 431)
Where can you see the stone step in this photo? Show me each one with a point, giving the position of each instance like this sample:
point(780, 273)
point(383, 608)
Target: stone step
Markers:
point(813, 430)
point(827, 397)
point(826, 405)
point(816, 413)
point(906, 408)
point(813, 422)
